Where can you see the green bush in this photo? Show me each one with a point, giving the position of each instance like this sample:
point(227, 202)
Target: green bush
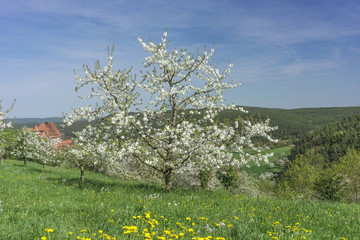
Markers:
point(204, 176)
point(300, 176)
point(228, 176)
point(329, 186)
point(348, 167)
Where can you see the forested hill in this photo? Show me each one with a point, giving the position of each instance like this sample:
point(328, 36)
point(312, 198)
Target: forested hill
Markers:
point(20, 122)
point(292, 123)
point(332, 141)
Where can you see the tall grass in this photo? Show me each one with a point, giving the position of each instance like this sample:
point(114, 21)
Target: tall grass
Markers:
point(54, 205)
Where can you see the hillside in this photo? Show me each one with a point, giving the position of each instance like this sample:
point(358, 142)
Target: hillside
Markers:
point(30, 122)
point(332, 140)
point(292, 123)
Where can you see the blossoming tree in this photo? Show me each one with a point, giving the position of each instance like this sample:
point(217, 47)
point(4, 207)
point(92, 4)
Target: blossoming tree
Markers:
point(165, 134)
point(89, 151)
point(30, 145)
point(4, 123)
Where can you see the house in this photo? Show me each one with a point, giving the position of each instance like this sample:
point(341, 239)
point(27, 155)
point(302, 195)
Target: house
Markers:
point(50, 131)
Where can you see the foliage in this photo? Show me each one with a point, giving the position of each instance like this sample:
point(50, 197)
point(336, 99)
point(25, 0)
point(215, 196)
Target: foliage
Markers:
point(204, 176)
point(4, 123)
point(7, 141)
point(348, 167)
point(332, 140)
point(329, 185)
point(298, 180)
point(164, 135)
point(228, 176)
point(293, 123)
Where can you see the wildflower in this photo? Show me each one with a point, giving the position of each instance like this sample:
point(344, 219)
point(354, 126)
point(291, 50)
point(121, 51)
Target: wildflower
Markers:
point(43, 238)
point(131, 229)
point(49, 230)
point(221, 224)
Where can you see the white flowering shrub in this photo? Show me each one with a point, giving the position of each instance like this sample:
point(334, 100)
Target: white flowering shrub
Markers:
point(164, 135)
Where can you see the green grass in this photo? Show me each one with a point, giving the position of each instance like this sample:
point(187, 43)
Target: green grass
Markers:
point(256, 171)
point(32, 201)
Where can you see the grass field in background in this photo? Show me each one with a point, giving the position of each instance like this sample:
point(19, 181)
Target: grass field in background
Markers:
point(54, 205)
point(256, 171)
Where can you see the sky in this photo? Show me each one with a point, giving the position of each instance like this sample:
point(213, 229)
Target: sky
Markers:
point(287, 53)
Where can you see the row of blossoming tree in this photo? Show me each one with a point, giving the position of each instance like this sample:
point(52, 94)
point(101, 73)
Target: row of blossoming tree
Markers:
point(24, 144)
point(167, 133)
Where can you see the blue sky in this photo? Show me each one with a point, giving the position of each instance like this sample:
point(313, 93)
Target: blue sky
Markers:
point(287, 54)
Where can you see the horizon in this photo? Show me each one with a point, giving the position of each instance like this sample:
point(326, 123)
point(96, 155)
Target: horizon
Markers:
point(39, 118)
point(287, 54)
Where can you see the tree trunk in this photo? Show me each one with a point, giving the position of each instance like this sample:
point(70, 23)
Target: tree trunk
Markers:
point(168, 183)
point(25, 160)
point(43, 167)
point(82, 172)
point(1, 160)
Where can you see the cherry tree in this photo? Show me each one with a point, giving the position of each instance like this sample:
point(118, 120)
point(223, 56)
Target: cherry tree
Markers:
point(89, 151)
point(30, 145)
point(4, 123)
point(175, 130)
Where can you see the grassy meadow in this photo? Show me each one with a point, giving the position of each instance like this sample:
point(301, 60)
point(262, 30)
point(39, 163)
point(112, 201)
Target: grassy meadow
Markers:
point(256, 171)
point(54, 205)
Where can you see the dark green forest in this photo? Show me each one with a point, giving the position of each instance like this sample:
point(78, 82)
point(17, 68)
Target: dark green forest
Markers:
point(293, 123)
point(332, 140)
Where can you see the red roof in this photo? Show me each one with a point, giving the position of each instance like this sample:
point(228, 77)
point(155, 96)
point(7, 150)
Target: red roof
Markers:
point(66, 143)
point(47, 129)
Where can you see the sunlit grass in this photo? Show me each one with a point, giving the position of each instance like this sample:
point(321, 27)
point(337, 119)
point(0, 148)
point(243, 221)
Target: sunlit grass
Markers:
point(54, 205)
point(256, 171)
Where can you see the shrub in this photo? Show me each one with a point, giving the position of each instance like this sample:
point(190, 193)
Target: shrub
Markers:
point(300, 176)
point(329, 186)
point(228, 176)
point(204, 176)
point(348, 167)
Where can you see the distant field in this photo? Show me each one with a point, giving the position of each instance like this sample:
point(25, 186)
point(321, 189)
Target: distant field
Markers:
point(54, 205)
point(255, 171)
